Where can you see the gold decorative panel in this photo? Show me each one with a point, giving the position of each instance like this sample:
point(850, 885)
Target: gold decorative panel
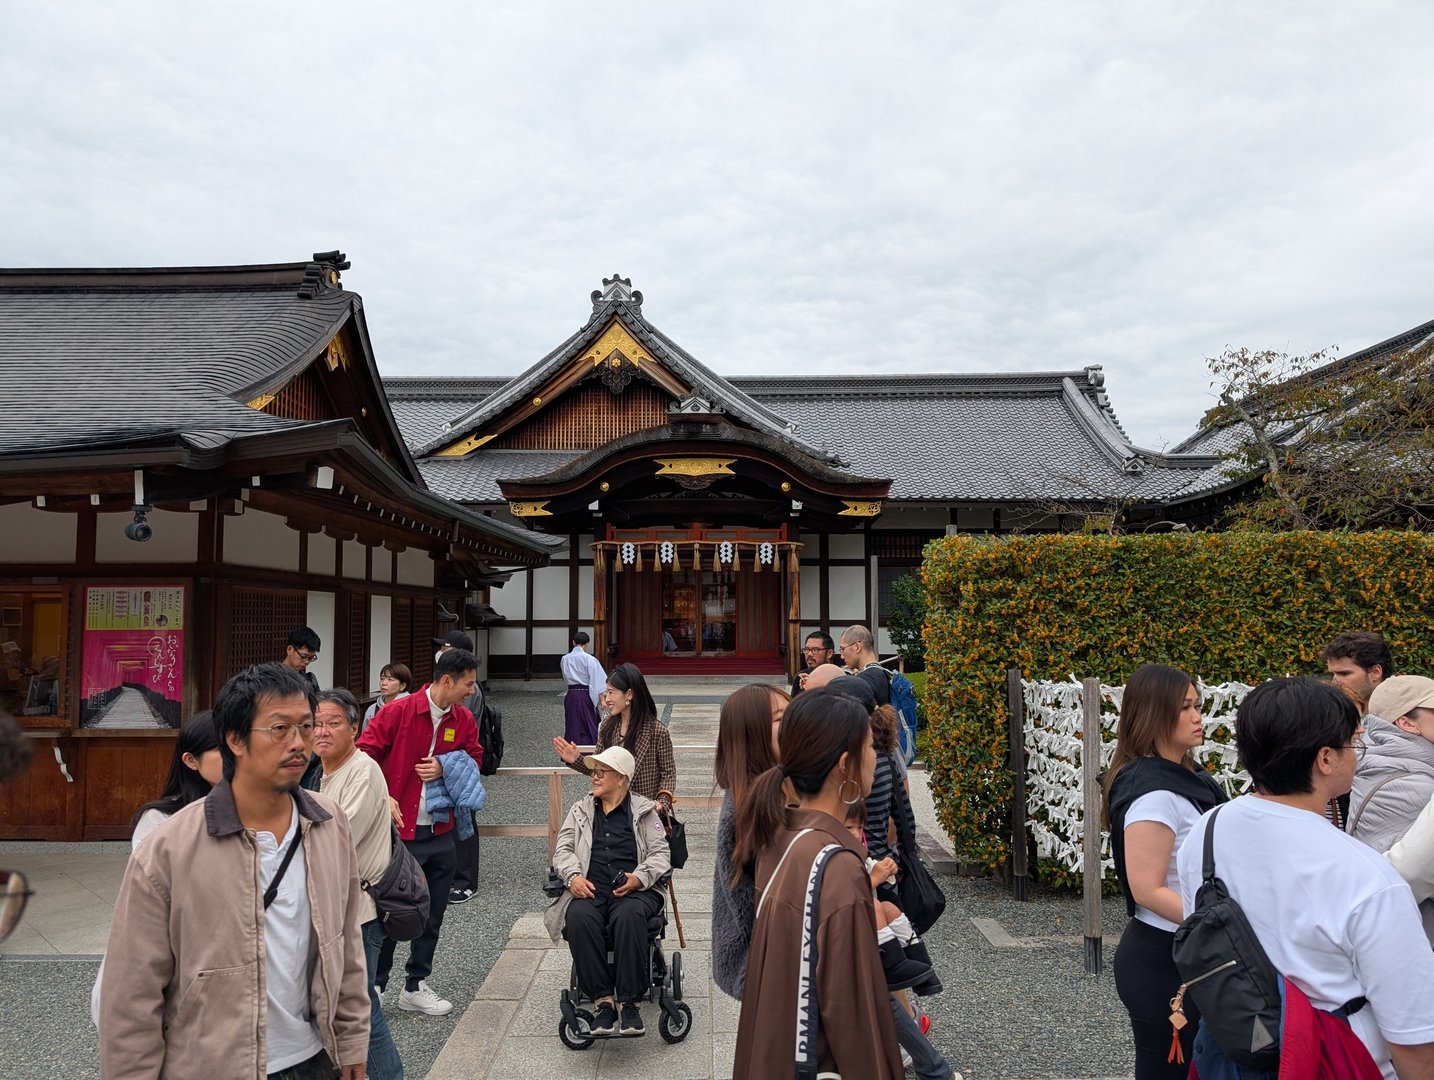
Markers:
point(860, 509)
point(695, 466)
point(530, 509)
point(465, 446)
point(616, 339)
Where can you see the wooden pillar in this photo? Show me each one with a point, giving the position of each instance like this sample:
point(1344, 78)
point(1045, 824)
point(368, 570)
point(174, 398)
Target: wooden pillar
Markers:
point(600, 626)
point(1090, 841)
point(794, 613)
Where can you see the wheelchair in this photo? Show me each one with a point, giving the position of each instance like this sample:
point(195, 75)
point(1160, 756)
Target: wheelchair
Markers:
point(674, 1022)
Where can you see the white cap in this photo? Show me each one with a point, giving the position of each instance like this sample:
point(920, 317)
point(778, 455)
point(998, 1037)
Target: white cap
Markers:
point(615, 758)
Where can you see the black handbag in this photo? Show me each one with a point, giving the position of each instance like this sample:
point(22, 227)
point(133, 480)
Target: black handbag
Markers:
point(921, 898)
point(676, 834)
point(401, 894)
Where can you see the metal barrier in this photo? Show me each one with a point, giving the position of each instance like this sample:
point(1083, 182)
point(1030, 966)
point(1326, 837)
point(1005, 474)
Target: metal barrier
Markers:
point(556, 810)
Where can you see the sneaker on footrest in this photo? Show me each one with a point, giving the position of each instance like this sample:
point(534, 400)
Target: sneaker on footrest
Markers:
point(604, 1020)
point(632, 1020)
point(424, 1000)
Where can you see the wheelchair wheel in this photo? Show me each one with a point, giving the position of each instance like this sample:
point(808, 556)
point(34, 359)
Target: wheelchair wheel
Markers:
point(676, 973)
point(579, 1039)
point(675, 1029)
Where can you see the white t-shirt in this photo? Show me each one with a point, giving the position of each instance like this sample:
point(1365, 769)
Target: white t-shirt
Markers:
point(1178, 814)
point(289, 953)
point(435, 714)
point(1333, 915)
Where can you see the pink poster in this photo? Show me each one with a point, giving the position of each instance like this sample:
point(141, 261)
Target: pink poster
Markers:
point(133, 657)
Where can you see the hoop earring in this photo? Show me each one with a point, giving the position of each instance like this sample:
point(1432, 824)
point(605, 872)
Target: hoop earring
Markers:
point(845, 780)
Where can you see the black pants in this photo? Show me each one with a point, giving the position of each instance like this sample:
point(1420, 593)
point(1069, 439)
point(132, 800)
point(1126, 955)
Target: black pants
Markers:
point(602, 923)
point(466, 851)
point(1146, 979)
point(435, 855)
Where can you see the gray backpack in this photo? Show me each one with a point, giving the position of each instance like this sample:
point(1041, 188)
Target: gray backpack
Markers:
point(401, 894)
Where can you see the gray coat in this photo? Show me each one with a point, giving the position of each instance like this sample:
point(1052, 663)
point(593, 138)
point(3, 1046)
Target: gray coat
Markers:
point(1392, 783)
point(733, 910)
point(575, 848)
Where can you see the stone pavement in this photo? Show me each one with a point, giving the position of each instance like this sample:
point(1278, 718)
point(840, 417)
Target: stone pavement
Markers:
point(511, 1028)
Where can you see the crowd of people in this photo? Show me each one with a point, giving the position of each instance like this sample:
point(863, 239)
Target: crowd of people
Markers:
point(287, 804)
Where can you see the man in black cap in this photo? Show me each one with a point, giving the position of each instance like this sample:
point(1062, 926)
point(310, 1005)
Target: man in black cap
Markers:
point(465, 875)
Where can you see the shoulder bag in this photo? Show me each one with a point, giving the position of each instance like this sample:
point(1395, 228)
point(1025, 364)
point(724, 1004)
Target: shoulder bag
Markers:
point(676, 833)
point(921, 898)
point(401, 894)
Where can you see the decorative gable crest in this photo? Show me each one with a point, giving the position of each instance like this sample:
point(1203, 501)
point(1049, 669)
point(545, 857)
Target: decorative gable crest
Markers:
point(618, 356)
point(693, 405)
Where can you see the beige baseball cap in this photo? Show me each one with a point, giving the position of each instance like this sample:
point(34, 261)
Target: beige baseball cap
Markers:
point(1400, 695)
point(615, 758)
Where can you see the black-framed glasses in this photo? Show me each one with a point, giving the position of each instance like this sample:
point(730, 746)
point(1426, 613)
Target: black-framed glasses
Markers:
point(306, 656)
point(15, 892)
point(1357, 746)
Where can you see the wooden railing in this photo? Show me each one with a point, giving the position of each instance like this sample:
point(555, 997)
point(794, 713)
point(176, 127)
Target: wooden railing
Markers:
point(557, 811)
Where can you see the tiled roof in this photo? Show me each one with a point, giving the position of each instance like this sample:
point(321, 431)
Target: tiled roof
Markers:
point(109, 365)
point(474, 479)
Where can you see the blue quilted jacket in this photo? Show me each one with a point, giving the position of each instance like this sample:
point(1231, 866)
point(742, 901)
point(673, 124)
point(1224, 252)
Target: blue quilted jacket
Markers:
point(461, 787)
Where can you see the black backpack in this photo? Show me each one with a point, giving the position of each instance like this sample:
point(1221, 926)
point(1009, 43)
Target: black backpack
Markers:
point(1227, 973)
point(490, 737)
point(401, 894)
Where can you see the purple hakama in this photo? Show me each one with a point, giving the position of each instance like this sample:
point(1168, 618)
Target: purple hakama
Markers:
point(581, 717)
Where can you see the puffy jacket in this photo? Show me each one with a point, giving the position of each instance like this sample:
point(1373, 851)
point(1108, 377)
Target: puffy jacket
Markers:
point(183, 993)
point(575, 848)
point(461, 788)
point(1392, 784)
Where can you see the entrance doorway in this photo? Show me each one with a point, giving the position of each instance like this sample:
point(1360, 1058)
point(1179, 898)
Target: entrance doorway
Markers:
point(699, 614)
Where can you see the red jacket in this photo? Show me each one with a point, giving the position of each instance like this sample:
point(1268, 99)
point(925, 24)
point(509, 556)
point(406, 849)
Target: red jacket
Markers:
point(398, 738)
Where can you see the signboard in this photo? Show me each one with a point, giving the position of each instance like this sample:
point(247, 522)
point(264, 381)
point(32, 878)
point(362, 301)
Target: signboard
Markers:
point(132, 666)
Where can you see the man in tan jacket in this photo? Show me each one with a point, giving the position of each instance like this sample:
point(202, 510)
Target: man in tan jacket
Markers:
point(235, 949)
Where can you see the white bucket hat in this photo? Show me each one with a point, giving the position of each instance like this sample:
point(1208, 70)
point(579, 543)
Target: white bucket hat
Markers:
point(615, 758)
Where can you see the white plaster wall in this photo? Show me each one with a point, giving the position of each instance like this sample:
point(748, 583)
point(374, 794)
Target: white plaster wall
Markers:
point(847, 546)
point(383, 565)
point(585, 592)
point(380, 631)
point(506, 641)
point(511, 599)
point(848, 599)
point(321, 554)
point(550, 593)
point(980, 517)
point(811, 582)
point(254, 538)
point(415, 567)
point(175, 539)
point(550, 639)
point(913, 517)
point(355, 561)
point(31, 535)
point(321, 621)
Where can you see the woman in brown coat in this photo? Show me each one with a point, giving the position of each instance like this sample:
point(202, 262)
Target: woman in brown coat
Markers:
point(815, 925)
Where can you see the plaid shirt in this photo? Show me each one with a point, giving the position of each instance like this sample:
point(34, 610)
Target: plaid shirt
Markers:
point(656, 768)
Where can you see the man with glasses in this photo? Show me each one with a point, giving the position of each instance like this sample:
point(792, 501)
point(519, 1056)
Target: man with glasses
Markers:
point(1332, 914)
point(407, 737)
point(188, 990)
point(818, 650)
point(301, 651)
point(355, 782)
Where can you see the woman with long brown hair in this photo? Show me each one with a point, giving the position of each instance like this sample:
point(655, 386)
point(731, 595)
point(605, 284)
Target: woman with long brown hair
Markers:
point(746, 748)
point(815, 995)
point(632, 723)
point(1154, 794)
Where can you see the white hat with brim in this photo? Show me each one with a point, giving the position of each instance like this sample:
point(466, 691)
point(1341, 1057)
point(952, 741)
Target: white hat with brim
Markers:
point(615, 758)
point(1400, 695)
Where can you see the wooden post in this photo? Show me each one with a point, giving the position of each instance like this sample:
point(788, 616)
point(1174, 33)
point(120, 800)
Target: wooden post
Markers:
point(600, 628)
point(1090, 845)
point(1016, 710)
point(794, 614)
point(555, 812)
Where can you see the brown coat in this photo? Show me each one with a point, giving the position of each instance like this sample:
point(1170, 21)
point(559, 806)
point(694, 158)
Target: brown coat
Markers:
point(857, 1037)
point(183, 990)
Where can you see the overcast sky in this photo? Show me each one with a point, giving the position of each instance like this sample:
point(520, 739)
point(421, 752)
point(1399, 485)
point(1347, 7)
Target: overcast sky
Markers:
point(827, 187)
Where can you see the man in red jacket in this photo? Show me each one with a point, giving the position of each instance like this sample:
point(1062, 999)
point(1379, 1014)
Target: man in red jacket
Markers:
point(407, 737)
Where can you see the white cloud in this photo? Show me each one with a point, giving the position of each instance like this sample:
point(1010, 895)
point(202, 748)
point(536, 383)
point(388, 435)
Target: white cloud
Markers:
point(803, 187)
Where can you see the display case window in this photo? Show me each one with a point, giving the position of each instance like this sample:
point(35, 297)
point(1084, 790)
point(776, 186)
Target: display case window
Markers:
point(32, 653)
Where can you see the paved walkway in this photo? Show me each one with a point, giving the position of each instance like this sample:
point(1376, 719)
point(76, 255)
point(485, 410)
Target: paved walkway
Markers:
point(511, 1029)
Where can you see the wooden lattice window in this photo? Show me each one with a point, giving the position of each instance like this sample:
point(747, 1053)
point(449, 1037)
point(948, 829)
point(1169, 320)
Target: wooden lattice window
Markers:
point(262, 622)
point(411, 637)
point(589, 416)
point(356, 655)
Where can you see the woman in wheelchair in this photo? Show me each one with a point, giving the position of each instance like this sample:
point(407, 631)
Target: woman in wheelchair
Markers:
point(612, 855)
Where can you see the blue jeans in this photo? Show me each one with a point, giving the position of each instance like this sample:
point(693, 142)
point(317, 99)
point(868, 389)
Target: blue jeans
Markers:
point(318, 1067)
point(383, 1060)
point(926, 1060)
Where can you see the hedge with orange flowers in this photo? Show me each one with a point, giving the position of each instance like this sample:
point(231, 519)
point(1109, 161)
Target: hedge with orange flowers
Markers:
point(1223, 606)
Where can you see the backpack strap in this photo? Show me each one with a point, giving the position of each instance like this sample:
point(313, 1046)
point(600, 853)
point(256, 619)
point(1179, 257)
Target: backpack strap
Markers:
point(1207, 865)
point(1355, 817)
point(272, 892)
point(808, 1003)
point(775, 872)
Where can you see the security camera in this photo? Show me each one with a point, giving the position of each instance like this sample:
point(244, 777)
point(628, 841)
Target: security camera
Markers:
point(139, 530)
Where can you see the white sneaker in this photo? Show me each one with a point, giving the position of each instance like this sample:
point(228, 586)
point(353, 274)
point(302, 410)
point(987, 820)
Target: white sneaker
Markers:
point(424, 1000)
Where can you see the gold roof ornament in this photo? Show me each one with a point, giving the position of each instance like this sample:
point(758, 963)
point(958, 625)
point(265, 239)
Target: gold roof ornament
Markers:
point(463, 446)
point(617, 339)
point(699, 466)
point(860, 509)
point(529, 509)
